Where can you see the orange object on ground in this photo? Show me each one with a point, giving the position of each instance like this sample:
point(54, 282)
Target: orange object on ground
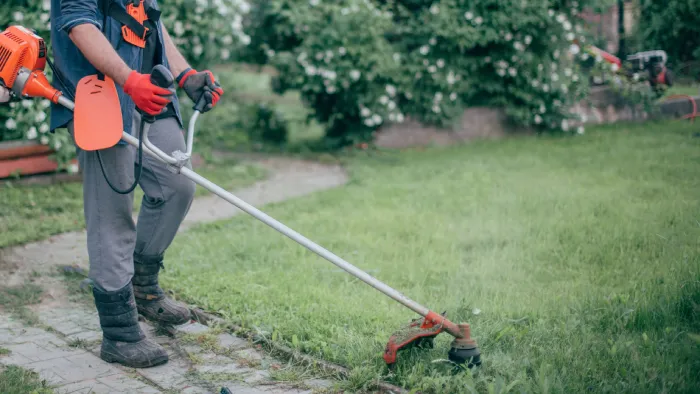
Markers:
point(138, 13)
point(98, 117)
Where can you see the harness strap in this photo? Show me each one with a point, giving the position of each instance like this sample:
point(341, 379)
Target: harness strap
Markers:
point(112, 9)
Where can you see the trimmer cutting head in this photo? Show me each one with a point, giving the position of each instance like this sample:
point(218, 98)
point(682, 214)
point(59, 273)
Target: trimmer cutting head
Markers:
point(420, 334)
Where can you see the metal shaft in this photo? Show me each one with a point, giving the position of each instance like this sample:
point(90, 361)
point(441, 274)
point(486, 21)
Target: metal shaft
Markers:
point(263, 217)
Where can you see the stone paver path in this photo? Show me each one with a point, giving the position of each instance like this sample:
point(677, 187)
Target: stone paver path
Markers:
point(64, 347)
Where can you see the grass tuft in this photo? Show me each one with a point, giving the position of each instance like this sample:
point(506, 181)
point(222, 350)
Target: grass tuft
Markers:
point(17, 380)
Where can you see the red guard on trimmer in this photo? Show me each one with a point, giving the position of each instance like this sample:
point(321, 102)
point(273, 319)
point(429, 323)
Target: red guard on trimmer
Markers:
point(98, 116)
point(415, 334)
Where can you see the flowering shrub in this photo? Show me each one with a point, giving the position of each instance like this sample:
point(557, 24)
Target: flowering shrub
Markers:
point(362, 63)
point(206, 31)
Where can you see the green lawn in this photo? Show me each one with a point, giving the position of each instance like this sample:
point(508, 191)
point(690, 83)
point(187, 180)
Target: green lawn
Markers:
point(574, 259)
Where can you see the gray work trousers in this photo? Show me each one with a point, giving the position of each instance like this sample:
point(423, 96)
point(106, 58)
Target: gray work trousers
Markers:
point(112, 236)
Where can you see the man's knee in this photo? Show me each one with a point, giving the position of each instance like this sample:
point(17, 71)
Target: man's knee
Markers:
point(183, 191)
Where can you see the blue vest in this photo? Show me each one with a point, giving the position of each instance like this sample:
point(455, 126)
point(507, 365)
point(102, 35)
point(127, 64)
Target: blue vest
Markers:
point(73, 66)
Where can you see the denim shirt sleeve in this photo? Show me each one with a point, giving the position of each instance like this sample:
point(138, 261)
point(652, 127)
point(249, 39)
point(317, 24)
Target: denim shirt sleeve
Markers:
point(77, 12)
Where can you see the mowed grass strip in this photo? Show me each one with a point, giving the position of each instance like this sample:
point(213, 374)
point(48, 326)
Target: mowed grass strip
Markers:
point(575, 260)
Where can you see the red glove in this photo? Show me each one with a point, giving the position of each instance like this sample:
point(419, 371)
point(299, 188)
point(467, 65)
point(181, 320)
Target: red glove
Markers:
point(148, 97)
point(197, 84)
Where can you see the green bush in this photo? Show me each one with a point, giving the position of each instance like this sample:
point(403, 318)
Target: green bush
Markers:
point(206, 31)
point(673, 26)
point(360, 64)
point(263, 123)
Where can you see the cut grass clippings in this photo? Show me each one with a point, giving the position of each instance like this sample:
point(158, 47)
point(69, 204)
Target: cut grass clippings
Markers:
point(15, 299)
point(575, 260)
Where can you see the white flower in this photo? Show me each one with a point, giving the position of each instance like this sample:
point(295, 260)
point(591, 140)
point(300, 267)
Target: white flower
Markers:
point(419, 75)
point(574, 49)
point(355, 75)
point(550, 12)
point(540, 67)
point(46, 5)
point(227, 40)
point(73, 168)
point(376, 119)
point(432, 41)
point(27, 103)
point(487, 59)
point(528, 40)
point(635, 76)
point(391, 90)
point(45, 103)
point(310, 70)
point(570, 36)
point(391, 105)
point(476, 311)
point(44, 140)
point(383, 100)
point(501, 72)
point(197, 50)
point(545, 87)
point(567, 72)
point(392, 117)
point(342, 51)
point(512, 71)
point(564, 88)
point(179, 28)
point(555, 77)
point(438, 97)
point(40, 116)
point(424, 50)
point(329, 54)
point(345, 11)
point(567, 25)
point(478, 20)
point(369, 122)
point(434, 9)
point(330, 75)
point(597, 79)
point(565, 125)
point(18, 16)
point(432, 69)
point(44, 128)
point(57, 145)
point(574, 77)
point(440, 63)
point(426, 62)
point(270, 53)
point(330, 89)
point(453, 96)
point(408, 95)
point(508, 36)
point(397, 57)
point(225, 54)
point(313, 2)
point(451, 78)
point(32, 133)
point(436, 109)
point(44, 17)
point(365, 112)
point(614, 67)
point(556, 54)
point(519, 46)
point(399, 118)
point(580, 130)
point(538, 119)
point(468, 15)
point(556, 103)
point(598, 58)
point(543, 109)
point(561, 18)
point(535, 83)
point(584, 56)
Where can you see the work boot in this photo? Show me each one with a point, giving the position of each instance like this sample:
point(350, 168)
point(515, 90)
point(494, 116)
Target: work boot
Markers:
point(123, 341)
point(151, 300)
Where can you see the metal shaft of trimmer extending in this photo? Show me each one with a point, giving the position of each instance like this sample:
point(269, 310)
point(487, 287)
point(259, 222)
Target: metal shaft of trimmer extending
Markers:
point(307, 243)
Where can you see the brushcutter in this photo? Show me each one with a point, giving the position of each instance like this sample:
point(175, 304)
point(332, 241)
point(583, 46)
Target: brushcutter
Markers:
point(22, 61)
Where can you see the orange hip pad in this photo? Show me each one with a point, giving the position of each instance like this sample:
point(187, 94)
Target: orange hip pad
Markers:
point(138, 13)
point(97, 116)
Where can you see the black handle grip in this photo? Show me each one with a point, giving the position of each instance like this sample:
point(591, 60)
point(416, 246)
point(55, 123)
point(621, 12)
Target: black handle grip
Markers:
point(162, 77)
point(201, 104)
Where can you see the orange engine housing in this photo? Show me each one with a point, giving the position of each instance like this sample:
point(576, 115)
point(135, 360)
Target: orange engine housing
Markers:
point(20, 47)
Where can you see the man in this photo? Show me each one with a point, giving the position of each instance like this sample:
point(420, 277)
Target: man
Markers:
point(125, 259)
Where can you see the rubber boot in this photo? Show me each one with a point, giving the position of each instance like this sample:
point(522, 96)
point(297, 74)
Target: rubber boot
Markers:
point(151, 300)
point(123, 341)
